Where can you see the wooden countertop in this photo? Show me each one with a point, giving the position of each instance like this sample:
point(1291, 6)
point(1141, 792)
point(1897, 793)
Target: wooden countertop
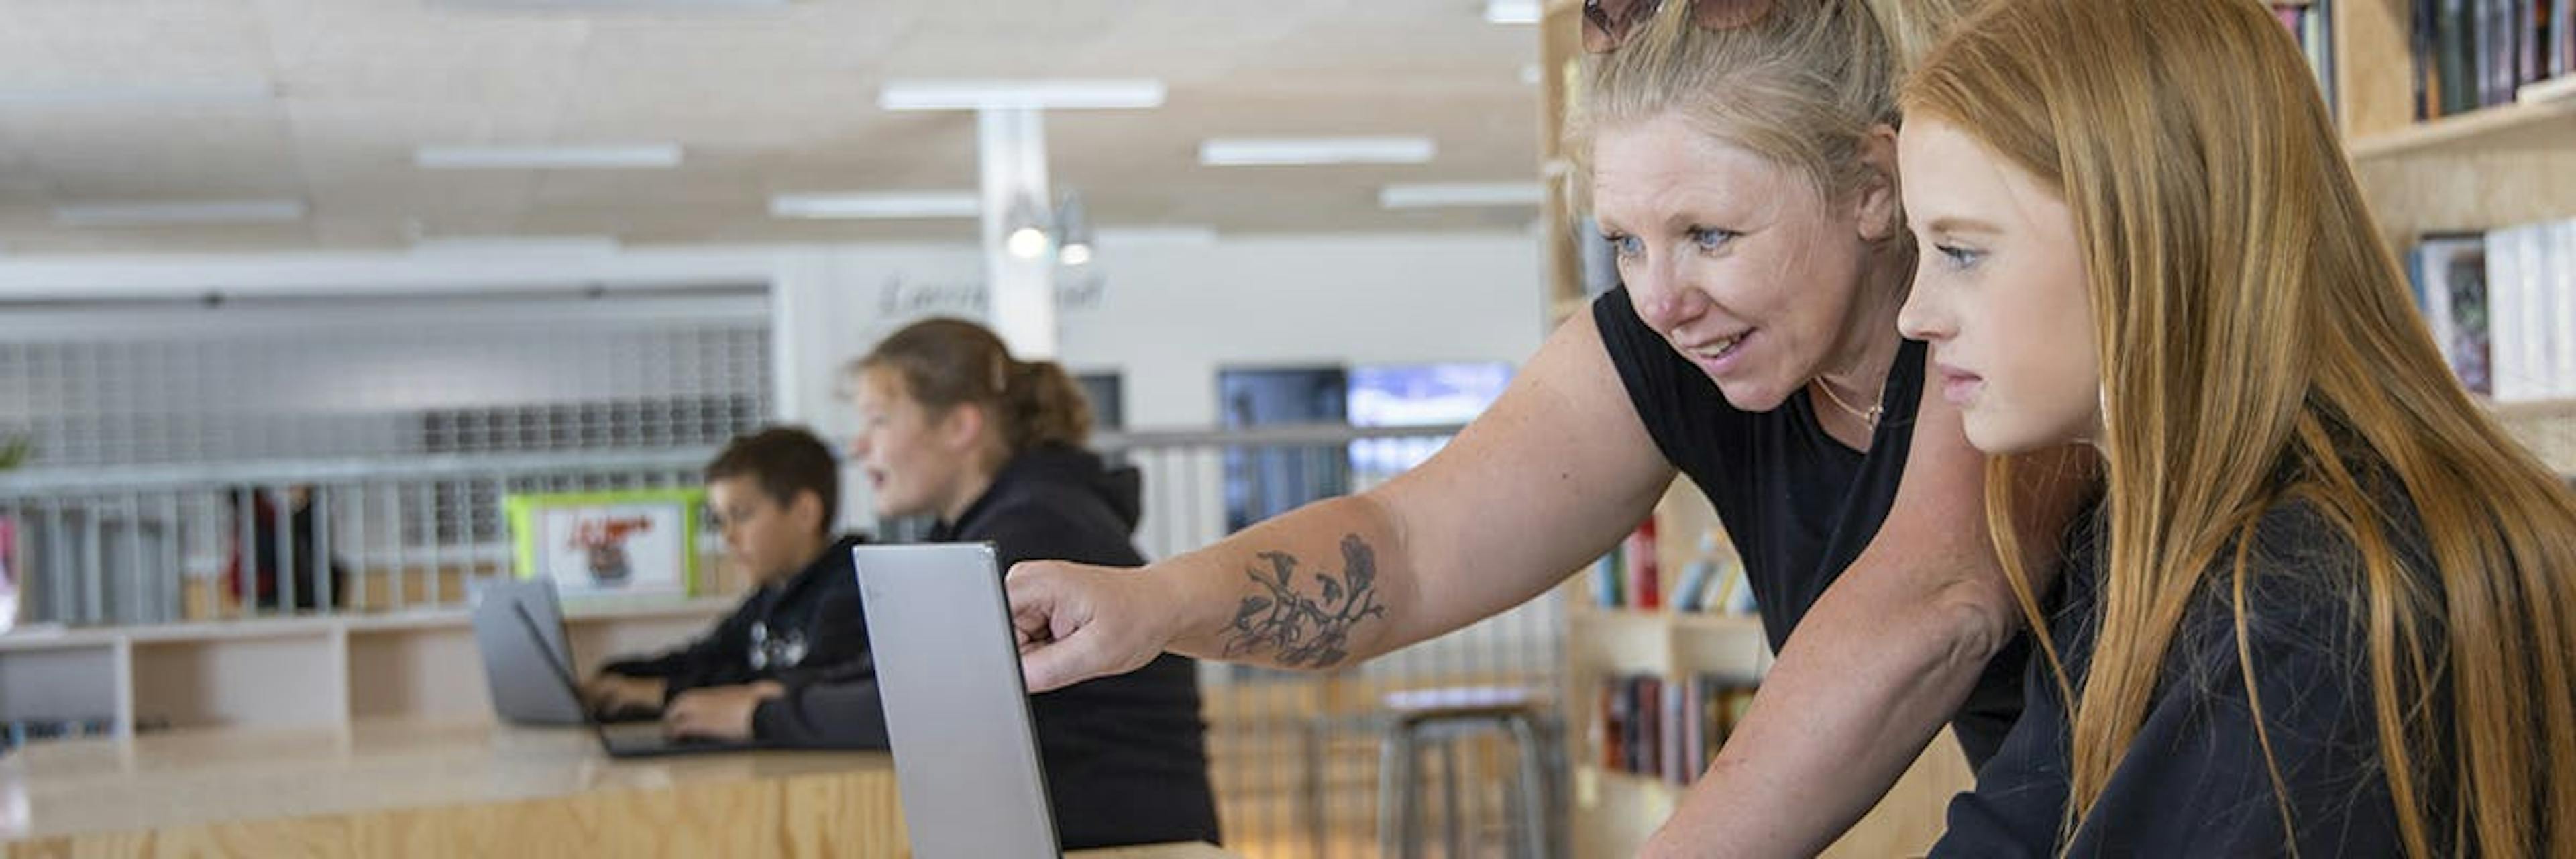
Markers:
point(194, 777)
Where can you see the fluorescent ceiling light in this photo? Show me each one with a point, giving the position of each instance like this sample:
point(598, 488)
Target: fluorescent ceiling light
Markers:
point(621, 5)
point(516, 245)
point(1307, 151)
point(891, 206)
point(1169, 234)
point(1511, 11)
point(624, 156)
point(204, 91)
point(179, 213)
point(1431, 195)
point(1102, 94)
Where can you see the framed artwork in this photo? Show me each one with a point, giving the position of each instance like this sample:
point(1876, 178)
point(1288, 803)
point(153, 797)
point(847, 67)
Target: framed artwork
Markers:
point(600, 543)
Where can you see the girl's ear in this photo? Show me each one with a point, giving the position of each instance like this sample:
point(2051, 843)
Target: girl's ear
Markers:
point(961, 430)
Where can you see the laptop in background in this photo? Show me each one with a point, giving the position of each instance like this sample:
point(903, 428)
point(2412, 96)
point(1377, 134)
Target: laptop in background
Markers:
point(956, 710)
point(518, 625)
point(522, 692)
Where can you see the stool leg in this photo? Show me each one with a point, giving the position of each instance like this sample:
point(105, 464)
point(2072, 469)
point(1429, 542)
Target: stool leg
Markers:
point(1453, 824)
point(1515, 832)
point(1317, 735)
point(1395, 813)
point(1536, 804)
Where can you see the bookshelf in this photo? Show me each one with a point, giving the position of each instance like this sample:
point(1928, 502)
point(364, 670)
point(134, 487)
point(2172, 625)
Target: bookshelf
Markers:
point(1613, 810)
point(2484, 169)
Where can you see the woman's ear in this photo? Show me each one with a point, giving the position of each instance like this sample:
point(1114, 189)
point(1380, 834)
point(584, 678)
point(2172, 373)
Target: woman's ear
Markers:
point(962, 429)
point(1878, 204)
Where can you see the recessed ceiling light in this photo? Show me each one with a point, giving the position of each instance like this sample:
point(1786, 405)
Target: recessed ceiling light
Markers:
point(638, 156)
point(886, 206)
point(1512, 11)
point(1308, 151)
point(1102, 94)
point(180, 213)
point(1434, 195)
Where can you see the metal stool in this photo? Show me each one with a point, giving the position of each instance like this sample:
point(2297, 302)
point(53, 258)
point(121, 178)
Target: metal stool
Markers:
point(1440, 715)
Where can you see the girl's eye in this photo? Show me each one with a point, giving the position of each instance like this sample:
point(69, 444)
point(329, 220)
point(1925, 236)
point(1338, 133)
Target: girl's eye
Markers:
point(1959, 257)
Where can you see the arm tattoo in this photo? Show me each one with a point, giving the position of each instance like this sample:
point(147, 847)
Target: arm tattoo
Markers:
point(1307, 631)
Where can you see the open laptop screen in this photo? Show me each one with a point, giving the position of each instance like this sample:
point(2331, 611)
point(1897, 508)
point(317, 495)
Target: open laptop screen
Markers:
point(965, 753)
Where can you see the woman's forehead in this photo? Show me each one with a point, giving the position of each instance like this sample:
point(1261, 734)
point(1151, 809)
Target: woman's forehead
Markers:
point(1654, 168)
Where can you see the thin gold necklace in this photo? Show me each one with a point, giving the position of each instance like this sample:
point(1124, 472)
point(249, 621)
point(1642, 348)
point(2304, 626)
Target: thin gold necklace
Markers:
point(1870, 417)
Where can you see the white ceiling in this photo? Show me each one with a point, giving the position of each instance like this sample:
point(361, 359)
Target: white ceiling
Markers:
point(324, 101)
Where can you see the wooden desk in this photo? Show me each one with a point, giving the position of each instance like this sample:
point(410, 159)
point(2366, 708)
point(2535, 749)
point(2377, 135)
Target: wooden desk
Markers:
point(441, 790)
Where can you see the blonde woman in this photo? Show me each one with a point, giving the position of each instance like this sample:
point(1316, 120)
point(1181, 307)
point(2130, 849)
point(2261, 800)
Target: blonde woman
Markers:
point(2327, 607)
point(1742, 158)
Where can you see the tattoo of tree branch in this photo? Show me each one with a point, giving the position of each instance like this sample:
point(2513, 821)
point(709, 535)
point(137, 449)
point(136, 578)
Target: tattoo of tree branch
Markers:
point(1306, 631)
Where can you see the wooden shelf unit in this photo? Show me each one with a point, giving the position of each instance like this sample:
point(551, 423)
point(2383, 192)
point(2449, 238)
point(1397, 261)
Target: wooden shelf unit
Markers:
point(300, 671)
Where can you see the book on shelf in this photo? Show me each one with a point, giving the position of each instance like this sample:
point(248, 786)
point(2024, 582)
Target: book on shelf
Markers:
point(2311, 22)
point(1607, 573)
point(1629, 577)
point(2471, 54)
point(2529, 302)
point(1666, 729)
point(2502, 306)
point(2449, 273)
point(1645, 575)
point(1700, 575)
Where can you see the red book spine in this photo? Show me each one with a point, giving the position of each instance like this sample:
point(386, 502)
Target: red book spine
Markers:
point(1645, 579)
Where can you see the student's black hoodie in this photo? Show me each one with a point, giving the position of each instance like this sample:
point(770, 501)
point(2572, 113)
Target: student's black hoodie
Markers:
point(1126, 756)
point(799, 632)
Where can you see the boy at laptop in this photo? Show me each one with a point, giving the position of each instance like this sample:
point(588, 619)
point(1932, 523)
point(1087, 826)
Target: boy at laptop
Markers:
point(774, 495)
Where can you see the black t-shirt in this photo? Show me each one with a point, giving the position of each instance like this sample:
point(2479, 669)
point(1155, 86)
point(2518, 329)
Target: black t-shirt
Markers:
point(2194, 781)
point(1799, 505)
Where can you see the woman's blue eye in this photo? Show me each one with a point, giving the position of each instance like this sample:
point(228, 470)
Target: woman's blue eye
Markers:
point(1711, 239)
point(1958, 257)
point(1626, 246)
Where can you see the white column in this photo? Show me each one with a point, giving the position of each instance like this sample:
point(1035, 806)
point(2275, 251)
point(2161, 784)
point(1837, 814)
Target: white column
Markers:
point(1020, 292)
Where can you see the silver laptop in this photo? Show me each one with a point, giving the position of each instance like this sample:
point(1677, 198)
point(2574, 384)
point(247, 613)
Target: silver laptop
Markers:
point(956, 711)
point(522, 691)
point(518, 626)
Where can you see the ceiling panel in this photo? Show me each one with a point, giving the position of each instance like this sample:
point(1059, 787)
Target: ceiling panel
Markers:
point(325, 100)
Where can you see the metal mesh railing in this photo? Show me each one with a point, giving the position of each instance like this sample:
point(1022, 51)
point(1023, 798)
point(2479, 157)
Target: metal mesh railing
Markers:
point(161, 544)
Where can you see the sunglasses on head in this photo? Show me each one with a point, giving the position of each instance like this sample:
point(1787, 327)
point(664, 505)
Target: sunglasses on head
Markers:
point(1608, 23)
